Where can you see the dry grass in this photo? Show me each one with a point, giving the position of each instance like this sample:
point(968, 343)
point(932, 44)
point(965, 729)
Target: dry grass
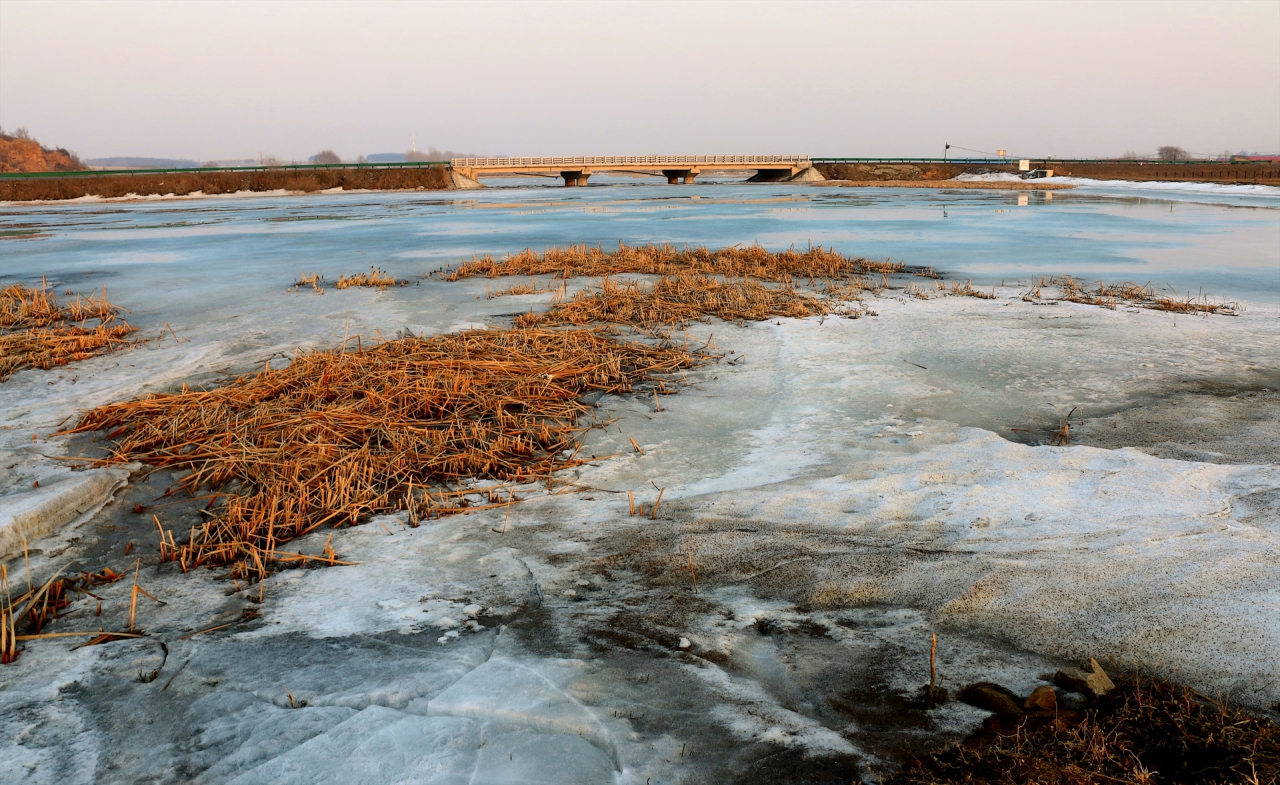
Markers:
point(666, 260)
point(1191, 304)
point(675, 301)
point(374, 277)
point(24, 614)
point(37, 331)
point(519, 289)
point(1145, 732)
point(1110, 296)
point(338, 435)
point(314, 280)
point(967, 290)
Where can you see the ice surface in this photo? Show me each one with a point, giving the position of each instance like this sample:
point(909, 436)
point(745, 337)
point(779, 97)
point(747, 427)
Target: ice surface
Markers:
point(1225, 189)
point(846, 489)
point(39, 496)
point(377, 745)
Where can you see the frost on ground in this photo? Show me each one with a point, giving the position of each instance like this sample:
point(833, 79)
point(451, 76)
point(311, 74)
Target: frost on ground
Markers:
point(840, 492)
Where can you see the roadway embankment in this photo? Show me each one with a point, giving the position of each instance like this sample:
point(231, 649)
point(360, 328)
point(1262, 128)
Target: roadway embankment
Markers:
point(1207, 172)
point(215, 181)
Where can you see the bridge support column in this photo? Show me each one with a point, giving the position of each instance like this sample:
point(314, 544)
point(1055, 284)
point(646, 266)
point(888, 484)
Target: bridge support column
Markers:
point(572, 178)
point(673, 176)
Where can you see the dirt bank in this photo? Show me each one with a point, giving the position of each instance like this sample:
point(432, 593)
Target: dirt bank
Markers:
point(224, 182)
point(19, 154)
point(1208, 172)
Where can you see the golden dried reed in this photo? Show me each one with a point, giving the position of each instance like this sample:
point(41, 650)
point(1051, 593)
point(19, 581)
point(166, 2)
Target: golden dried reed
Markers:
point(374, 277)
point(36, 331)
point(410, 424)
point(675, 301)
point(735, 262)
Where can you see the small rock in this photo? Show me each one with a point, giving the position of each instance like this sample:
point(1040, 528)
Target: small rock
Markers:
point(1043, 697)
point(583, 582)
point(1092, 682)
point(684, 643)
point(993, 698)
point(981, 523)
point(473, 610)
point(570, 594)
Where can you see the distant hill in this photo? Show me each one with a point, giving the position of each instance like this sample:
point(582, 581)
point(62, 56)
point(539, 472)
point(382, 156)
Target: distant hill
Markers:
point(21, 153)
point(136, 162)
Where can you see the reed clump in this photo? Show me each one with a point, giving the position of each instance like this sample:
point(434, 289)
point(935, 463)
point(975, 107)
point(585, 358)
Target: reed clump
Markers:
point(314, 280)
point(1110, 296)
point(675, 301)
point(1145, 732)
point(966, 290)
point(734, 262)
point(375, 277)
point(410, 424)
point(38, 331)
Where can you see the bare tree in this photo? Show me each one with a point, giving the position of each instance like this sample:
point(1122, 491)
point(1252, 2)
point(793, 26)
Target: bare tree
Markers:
point(432, 154)
point(326, 157)
point(22, 133)
point(1172, 153)
point(1130, 155)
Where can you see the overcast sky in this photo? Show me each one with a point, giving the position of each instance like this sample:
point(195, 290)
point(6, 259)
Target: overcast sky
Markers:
point(234, 79)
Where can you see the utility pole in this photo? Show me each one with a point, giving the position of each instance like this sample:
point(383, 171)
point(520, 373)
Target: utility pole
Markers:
point(945, 148)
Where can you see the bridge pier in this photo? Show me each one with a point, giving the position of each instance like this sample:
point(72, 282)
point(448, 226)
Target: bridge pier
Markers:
point(674, 176)
point(575, 178)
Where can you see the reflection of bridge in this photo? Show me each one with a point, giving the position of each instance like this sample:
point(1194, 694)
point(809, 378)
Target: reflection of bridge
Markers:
point(675, 168)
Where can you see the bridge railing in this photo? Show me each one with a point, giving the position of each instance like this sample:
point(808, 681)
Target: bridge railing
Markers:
point(632, 160)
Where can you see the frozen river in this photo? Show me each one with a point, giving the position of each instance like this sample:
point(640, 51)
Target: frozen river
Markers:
point(1221, 239)
point(847, 489)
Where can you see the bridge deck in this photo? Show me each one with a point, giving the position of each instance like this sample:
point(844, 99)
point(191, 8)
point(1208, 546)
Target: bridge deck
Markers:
point(576, 169)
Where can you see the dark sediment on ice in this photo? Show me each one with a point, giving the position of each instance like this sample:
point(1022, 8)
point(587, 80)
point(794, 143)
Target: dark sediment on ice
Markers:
point(1208, 423)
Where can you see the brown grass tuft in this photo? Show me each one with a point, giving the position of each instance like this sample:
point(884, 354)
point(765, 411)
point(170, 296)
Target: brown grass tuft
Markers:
point(36, 331)
point(1110, 296)
point(675, 301)
point(374, 277)
point(735, 262)
point(410, 424)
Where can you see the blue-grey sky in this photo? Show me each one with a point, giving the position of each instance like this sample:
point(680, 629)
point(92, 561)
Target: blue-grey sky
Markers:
point(234, 79)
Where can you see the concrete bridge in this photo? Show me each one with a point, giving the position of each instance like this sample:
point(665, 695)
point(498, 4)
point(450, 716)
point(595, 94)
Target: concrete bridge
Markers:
point(676, 168)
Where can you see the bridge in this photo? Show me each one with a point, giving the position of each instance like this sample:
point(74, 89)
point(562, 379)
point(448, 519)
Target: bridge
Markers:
point(676, 168)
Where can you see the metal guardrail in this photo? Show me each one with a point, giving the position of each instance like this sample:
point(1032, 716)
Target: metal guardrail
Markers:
point(198, 169)
point(630, 160)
